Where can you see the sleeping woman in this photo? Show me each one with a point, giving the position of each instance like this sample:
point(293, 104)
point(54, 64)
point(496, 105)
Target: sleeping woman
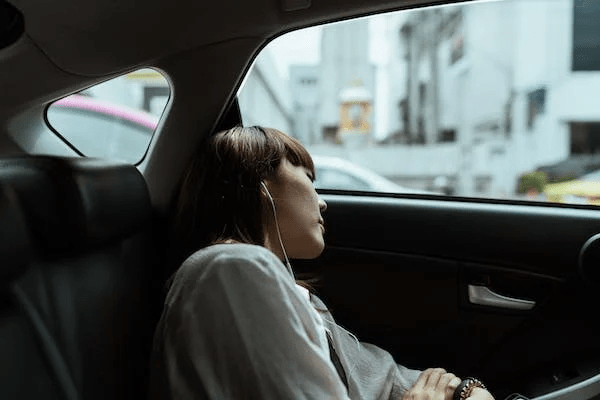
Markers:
point(236, 324)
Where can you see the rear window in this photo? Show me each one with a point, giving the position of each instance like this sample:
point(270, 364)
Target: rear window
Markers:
point(113, 120)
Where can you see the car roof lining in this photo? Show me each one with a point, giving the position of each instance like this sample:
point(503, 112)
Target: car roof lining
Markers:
point(107, 37)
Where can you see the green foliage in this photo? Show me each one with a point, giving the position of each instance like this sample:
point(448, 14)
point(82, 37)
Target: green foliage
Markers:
point(532, 180)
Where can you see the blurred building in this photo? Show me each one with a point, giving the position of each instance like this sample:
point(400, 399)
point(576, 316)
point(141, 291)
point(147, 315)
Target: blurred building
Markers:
point(344, 64)
point(145, 89)
point(318, 90)
point(304, 90)
point(476, 93)
point(511, 85)
point(265, 98)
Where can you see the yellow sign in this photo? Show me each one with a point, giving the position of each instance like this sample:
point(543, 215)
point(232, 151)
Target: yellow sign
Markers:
point(355, 117)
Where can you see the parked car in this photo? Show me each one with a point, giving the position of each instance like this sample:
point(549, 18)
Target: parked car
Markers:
point(584, 190)
point(102, 129)
point(337, 173)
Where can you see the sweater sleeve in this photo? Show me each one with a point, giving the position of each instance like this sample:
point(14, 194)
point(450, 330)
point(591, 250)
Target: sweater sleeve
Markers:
point(372, 371)
point(405, 379)
point(237, 328)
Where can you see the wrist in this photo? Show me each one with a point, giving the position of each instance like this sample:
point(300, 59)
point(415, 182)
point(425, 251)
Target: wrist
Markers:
point(466, 387)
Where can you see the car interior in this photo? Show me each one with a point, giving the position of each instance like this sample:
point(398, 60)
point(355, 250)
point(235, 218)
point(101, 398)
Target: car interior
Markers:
point(503, 290)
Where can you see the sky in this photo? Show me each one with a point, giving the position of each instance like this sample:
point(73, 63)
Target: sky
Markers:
point(302, 46)
point(298, 47)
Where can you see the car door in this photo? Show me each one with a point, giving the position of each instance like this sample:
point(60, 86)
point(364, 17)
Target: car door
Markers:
point(501, 291)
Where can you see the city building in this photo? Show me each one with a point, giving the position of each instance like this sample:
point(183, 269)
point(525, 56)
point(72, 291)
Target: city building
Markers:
point(145, 89)
point(265, 96)
point(510, 85)
point(344, 64)
point(304, 90)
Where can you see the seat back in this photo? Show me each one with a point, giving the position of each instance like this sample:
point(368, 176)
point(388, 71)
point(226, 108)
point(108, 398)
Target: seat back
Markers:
point(14, 246)
point(23, 373)
point(88, 283)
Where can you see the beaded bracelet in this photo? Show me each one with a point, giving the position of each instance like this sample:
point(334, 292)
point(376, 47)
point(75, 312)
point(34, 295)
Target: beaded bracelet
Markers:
point(464, 389)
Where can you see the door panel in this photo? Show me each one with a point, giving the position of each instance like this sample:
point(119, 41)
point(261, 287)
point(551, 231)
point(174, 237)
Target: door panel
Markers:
point(396, 273)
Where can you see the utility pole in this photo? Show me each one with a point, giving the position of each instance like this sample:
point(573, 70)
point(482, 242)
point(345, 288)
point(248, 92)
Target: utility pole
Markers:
point(465, 140)
point(407, 35)
point(434, 43)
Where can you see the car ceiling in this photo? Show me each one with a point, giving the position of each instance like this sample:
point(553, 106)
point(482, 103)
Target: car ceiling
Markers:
point(69, 45)
point(100, 37)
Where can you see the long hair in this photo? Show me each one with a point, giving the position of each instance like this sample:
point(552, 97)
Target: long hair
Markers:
point(220, 197)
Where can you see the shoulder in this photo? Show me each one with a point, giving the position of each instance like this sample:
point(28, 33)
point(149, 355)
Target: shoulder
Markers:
point(230, 253)
point(223, 261)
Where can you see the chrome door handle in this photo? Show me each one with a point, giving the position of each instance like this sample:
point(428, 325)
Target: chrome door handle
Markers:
point(482, 295)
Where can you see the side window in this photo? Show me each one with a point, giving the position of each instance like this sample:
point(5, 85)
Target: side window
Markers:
point(479, 99)
point(329, 178)
point(115, 119)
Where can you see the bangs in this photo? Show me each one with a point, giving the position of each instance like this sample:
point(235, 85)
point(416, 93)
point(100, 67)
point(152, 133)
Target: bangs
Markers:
point(294, 151)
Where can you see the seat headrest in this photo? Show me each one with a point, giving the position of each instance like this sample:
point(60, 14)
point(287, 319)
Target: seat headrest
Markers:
point(74, 203)
point(14, 246)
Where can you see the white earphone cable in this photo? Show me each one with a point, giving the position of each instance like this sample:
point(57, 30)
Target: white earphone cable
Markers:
point(289, 267)
point(287, 261)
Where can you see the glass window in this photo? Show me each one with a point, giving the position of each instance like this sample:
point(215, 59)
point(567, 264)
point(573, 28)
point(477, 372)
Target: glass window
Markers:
point(586, 35)
point(115, 119)
point(335, 179)
point(479, 99)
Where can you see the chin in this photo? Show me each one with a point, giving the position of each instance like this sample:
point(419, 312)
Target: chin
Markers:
point(309, 252)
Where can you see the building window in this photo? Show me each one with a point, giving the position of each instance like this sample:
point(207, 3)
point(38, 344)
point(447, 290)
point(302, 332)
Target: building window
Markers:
point(422, 93)
point(447, 136)
point(452, 23)
point(330, 134)
point(155, 97)
point(454, 31)
point(420, 139)
point(458, 49)
point(308, 81)
point(508, 118)
point(536, 104)
point(586, 35)
point(585, 138)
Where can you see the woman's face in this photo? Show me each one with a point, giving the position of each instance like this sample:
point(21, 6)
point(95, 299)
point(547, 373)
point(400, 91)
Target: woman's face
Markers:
point(298, 209)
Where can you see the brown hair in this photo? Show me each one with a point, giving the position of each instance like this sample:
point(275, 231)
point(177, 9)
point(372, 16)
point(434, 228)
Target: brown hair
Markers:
point(219, 198)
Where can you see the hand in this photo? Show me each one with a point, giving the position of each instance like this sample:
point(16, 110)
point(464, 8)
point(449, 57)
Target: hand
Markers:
point(480, 394)
point(434, 384)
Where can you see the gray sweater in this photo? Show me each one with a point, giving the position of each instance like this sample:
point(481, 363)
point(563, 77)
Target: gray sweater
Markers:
point(236, 326)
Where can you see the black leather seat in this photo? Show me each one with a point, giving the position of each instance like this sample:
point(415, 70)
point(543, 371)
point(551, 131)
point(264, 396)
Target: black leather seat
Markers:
point(23, 373)
point(14, 246)
point(87, 285)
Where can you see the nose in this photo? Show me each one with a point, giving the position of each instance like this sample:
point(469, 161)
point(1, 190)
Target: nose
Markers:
point(322, 205)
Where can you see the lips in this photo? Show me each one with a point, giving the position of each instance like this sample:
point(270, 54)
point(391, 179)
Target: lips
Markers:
point(322, 225)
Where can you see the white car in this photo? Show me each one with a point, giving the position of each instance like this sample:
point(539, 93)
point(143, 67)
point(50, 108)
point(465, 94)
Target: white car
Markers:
point(337, 173)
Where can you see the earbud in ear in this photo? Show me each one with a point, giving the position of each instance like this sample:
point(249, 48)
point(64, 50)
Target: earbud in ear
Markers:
point(267, 191)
